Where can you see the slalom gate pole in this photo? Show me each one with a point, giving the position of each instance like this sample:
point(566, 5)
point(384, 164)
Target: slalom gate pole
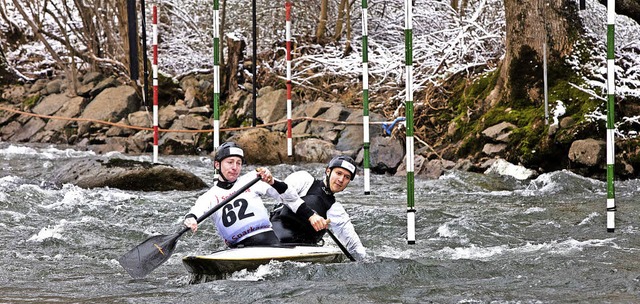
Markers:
point(287, 6)
point(154, 67)
point(365, 97)
point(611, 91)
point(216, 74)
point(408, 42)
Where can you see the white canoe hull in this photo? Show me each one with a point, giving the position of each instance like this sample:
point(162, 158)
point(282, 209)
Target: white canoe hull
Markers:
point(221, 263)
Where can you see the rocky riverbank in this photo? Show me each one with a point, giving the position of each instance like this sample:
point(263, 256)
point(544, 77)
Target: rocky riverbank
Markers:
point(105, 113)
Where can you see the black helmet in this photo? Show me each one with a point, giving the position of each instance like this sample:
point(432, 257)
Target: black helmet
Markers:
point(228, 149)
point(344, 162)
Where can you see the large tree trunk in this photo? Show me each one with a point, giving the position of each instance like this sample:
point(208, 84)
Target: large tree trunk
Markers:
point(529, 25)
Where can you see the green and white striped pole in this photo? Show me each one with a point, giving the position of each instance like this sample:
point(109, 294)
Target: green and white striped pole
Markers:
point(365, 97)
point(216, 75)
point(611, 91)
point(408, 47)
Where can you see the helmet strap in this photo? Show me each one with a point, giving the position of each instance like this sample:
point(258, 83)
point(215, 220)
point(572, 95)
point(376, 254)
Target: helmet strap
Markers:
point(327, 184)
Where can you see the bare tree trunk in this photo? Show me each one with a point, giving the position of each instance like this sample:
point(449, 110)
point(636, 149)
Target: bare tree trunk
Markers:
point(529, 25)
point(322, 22)
point(340, 21)
point(463, 7)
point(455, 5)
point(347, 46)
point(236, 49)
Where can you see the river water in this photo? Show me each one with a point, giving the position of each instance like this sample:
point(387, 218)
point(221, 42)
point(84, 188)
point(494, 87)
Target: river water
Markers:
point(479, 239)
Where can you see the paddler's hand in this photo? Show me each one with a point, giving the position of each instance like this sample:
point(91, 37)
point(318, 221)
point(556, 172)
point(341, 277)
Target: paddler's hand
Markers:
point(265, 174)
point(191, 223)
point(318, 222)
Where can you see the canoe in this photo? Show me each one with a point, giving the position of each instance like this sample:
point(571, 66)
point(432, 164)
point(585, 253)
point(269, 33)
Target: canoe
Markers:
point(222, 263)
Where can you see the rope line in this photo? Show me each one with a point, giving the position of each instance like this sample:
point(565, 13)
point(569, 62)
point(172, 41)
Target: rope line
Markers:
point(178, 131)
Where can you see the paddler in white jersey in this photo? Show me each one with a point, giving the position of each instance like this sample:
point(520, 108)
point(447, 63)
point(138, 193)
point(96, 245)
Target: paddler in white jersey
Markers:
point(244, 221)
point(305, 220)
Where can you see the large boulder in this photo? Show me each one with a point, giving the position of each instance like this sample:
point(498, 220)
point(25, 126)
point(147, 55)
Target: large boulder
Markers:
point(112, 105)
point(28, 130)
point(50, 104)
point(126, 175)
point(588, 152)
point(315, 150)
point(385, 154)
point(271, 105)
point(499, 132)
point(262, 147)
point(71, 108)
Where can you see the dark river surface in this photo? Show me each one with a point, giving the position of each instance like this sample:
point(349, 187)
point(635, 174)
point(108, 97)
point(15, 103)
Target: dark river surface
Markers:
point(479, 239)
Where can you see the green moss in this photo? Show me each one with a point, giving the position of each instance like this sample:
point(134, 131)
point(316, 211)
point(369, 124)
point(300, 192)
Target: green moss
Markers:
point(127, 163)
point(31, 101)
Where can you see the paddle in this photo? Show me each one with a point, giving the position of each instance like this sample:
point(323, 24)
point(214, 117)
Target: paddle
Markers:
point(147, 256)
point(344, 250)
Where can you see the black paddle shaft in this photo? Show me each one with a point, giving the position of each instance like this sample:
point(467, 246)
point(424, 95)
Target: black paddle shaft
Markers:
point(144, 258)
point(344, 250)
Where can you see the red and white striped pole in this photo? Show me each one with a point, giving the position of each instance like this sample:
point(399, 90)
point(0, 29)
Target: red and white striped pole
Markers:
point(154, 66)
point(287, 5)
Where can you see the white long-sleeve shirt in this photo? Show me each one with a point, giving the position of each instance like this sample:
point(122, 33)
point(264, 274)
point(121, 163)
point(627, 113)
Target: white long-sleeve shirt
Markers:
point(302, 182)
point(243, 216)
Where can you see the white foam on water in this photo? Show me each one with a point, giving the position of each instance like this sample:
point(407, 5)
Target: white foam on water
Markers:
point(589, 218)
point(534, 210)
point(50, 152)
point(445, 231)
point(18, 150)
point(397, 253)
point(73, 196)
point(47, 233)
point(559, 181)
point(15, 216)
point(474, 252)
point(272, 268)
point(54, 153)
point(9, 180)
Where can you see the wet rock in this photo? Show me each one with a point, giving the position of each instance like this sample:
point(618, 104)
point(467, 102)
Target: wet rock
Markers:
point(126, 175)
